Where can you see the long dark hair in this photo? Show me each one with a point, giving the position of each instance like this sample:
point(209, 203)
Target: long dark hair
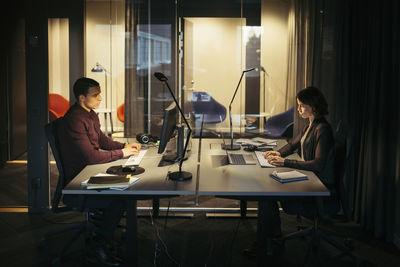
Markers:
point(313, 97)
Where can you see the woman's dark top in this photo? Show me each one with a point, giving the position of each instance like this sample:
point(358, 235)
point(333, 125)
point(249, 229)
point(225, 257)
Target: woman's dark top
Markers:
point(83, 143)
point(318, 151)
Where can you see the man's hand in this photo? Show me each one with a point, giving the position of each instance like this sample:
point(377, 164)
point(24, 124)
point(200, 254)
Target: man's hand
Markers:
point(129, 151)
point(133, 145)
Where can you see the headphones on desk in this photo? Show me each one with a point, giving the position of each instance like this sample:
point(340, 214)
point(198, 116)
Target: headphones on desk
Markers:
point(146, 138)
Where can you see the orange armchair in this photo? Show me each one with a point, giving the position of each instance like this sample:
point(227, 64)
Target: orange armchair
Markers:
point(120, 112)
point(58, 106)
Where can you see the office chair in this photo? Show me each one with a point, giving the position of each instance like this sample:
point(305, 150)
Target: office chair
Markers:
point(280, 125)
point(207, 110)
point(328, 209)
point(120, 112)
point(58, 106)
point(84, 227)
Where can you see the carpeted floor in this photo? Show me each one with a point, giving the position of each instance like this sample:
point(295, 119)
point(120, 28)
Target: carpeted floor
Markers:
point(172, 240)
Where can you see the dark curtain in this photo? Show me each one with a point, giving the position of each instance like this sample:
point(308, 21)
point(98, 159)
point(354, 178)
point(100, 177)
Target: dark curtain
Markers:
point(350, 50)
point(134, 82)
point(374, 79)
point(358, 72)
point(304, 50)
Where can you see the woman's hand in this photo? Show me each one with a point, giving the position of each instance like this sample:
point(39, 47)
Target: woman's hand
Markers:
point(271, 153)
point(133, 145)
point(276, 161)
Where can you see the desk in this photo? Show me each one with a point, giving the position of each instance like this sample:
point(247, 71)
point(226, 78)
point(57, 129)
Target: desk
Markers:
point(217, 178)
point(152, 183)
point(211, 176)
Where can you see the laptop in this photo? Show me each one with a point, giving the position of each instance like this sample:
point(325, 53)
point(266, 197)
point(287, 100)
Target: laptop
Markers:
point(235, 158)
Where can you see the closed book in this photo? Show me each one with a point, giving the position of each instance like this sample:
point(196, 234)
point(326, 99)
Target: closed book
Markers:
point(114, 179)
point(117, 186)
point(286, 177)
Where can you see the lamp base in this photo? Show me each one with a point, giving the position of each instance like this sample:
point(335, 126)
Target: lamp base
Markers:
point(230, 147)
point(180, 176)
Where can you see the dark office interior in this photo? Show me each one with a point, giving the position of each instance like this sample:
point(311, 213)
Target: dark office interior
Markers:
point(350, 50)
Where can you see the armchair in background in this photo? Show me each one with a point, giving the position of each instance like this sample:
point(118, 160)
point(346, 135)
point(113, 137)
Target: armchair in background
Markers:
point(120, 112)
point(207, 110)
point(280, 125)
point(58, 106)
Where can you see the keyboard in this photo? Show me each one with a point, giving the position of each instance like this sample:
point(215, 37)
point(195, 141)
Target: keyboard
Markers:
point(135, 160)
point(241, 159)
point(263, 162)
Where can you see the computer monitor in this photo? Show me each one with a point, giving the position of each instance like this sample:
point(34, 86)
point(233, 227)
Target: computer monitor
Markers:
point(167, 132)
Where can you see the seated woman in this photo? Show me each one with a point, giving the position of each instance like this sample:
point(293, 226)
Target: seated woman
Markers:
point(315, 146)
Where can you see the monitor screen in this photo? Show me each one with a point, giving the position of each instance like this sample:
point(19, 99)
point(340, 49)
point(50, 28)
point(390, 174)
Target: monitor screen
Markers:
point(168, 127)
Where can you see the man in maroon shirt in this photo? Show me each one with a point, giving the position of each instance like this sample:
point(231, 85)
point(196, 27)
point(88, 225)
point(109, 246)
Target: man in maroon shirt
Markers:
point(83, 143)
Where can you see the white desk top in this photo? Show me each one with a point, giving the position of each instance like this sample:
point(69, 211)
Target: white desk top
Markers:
point(219, 178)
point(216, 177)
point(152, 182)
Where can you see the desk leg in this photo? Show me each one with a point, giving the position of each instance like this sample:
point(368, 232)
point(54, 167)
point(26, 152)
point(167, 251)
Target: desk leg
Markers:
point(111, 123)
point(243, 208)
point(105, 122)
point(156, 206)
point(131, 233)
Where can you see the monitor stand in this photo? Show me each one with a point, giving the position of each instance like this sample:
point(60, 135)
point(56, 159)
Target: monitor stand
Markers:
point(175, 156)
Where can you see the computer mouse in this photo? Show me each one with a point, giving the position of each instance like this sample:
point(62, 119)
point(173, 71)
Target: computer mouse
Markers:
point(251, 148)
point(129, 169)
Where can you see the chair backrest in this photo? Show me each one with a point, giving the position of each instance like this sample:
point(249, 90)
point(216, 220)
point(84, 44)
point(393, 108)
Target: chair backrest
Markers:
point(280, 124)
point(343, 160)
point(58, 106)
point(52, 137)
point(209, 109)
point(120, 112)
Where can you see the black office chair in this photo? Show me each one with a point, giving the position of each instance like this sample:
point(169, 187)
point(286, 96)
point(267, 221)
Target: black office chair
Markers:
point(85, 227)
point(327, 209)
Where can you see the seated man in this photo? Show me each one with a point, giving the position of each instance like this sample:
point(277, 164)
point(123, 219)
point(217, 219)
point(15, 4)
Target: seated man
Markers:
point(83, 143)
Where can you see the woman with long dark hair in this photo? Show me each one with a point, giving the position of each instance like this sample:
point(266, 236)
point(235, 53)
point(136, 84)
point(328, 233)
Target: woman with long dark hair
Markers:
point(315, 146)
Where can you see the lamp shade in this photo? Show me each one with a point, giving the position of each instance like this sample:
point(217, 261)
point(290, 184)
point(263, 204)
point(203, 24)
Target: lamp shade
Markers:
point(97, 68)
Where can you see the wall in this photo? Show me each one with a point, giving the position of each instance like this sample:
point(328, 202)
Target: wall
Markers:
point(59, 57)
point(274, 51)
point(218, 59)
point(104, 43)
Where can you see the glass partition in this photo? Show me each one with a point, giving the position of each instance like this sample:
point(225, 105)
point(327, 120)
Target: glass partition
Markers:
point(203, 48)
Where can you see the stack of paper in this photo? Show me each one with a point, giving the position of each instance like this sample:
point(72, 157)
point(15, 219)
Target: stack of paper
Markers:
point(109, 181)
point(291, 176)
point(258, 141)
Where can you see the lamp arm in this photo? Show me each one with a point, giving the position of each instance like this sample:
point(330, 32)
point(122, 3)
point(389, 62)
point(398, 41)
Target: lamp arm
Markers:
point(177, 104)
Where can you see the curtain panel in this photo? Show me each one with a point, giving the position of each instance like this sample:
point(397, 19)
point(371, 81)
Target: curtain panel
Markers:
point(350, 50)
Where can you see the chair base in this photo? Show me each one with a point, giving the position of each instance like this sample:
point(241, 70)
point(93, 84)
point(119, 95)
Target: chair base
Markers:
point(86, 228)
point(317, 234)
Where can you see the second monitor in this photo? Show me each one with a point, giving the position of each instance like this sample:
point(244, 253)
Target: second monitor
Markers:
point(167, 132)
